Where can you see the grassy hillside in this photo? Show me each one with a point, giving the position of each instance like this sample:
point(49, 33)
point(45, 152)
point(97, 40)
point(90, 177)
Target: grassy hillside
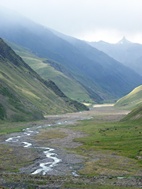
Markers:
point(14, 107)
point(102, 77)
point(135, 115)
point(132, 100)
point(24, 95)
point(48, 69)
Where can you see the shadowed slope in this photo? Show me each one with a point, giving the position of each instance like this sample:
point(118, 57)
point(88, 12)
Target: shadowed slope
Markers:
point(24, 94)
point(101, 76)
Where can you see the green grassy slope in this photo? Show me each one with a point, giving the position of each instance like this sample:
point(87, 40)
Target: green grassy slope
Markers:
point(14, 107)
point(132, 100)
point(23, 92)
point(51, 70)
point(103, 77)
point(135, 114)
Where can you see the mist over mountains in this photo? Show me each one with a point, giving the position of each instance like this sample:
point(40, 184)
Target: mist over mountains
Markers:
point(126, 52)
point(101, 77)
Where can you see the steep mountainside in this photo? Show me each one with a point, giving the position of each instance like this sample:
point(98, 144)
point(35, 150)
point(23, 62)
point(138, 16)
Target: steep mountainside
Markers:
point(52, 70)
point(101, 76)
point(132, 100)
point(24, 95)
point(130, 54)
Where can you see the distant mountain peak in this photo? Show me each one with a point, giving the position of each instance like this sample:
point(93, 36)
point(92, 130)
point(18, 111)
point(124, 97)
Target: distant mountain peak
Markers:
point(124, 41)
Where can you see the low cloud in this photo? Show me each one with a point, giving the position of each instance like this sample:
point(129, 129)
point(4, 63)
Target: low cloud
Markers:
point(87, 18)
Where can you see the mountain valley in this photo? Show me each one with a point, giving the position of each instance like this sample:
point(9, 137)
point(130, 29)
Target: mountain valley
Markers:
point(70, 114)
point(24, 94)
point(98, 76)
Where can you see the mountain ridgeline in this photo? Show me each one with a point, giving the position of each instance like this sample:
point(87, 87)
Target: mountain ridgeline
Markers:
point(126, 52)
point(24, 95)
point(49, 69)
point(131, 100)
point(98, 76)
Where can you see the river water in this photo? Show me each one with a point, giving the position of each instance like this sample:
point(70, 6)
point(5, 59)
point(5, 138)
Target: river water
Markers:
point(51, 159)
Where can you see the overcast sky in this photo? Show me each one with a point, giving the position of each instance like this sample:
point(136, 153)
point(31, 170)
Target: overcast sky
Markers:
point(91, 20)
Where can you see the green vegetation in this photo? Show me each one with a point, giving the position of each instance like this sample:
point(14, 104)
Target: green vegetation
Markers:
point(13, 158)
point(111, 148)
point(135, 115)
point(132, 100)
point(14, 107)
point(81, 185)
point(112, 153)
point(48, 69)
point(102, 77)
point(24, 94)
point(12, 127)
point(32, 182)
point(2, 112)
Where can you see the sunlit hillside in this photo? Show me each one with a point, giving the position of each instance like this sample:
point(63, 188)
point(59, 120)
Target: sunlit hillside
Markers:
point(24, 94)
point(131, 100)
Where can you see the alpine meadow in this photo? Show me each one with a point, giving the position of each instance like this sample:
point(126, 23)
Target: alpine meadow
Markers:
point(70, 107)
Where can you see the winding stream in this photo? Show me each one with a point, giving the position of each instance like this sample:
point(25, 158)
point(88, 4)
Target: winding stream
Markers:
point(45, 167)
point(51, 159)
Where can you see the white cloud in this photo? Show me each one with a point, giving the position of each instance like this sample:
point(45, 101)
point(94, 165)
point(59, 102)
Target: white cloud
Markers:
point(90, 18)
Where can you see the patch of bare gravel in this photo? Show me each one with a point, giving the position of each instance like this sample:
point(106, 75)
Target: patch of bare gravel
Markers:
point(68, 141)
point(70, 162)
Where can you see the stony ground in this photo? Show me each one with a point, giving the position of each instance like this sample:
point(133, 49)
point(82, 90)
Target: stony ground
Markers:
point(55, 133)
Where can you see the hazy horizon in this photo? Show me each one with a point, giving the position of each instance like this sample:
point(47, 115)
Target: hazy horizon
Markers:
point(91, 21)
